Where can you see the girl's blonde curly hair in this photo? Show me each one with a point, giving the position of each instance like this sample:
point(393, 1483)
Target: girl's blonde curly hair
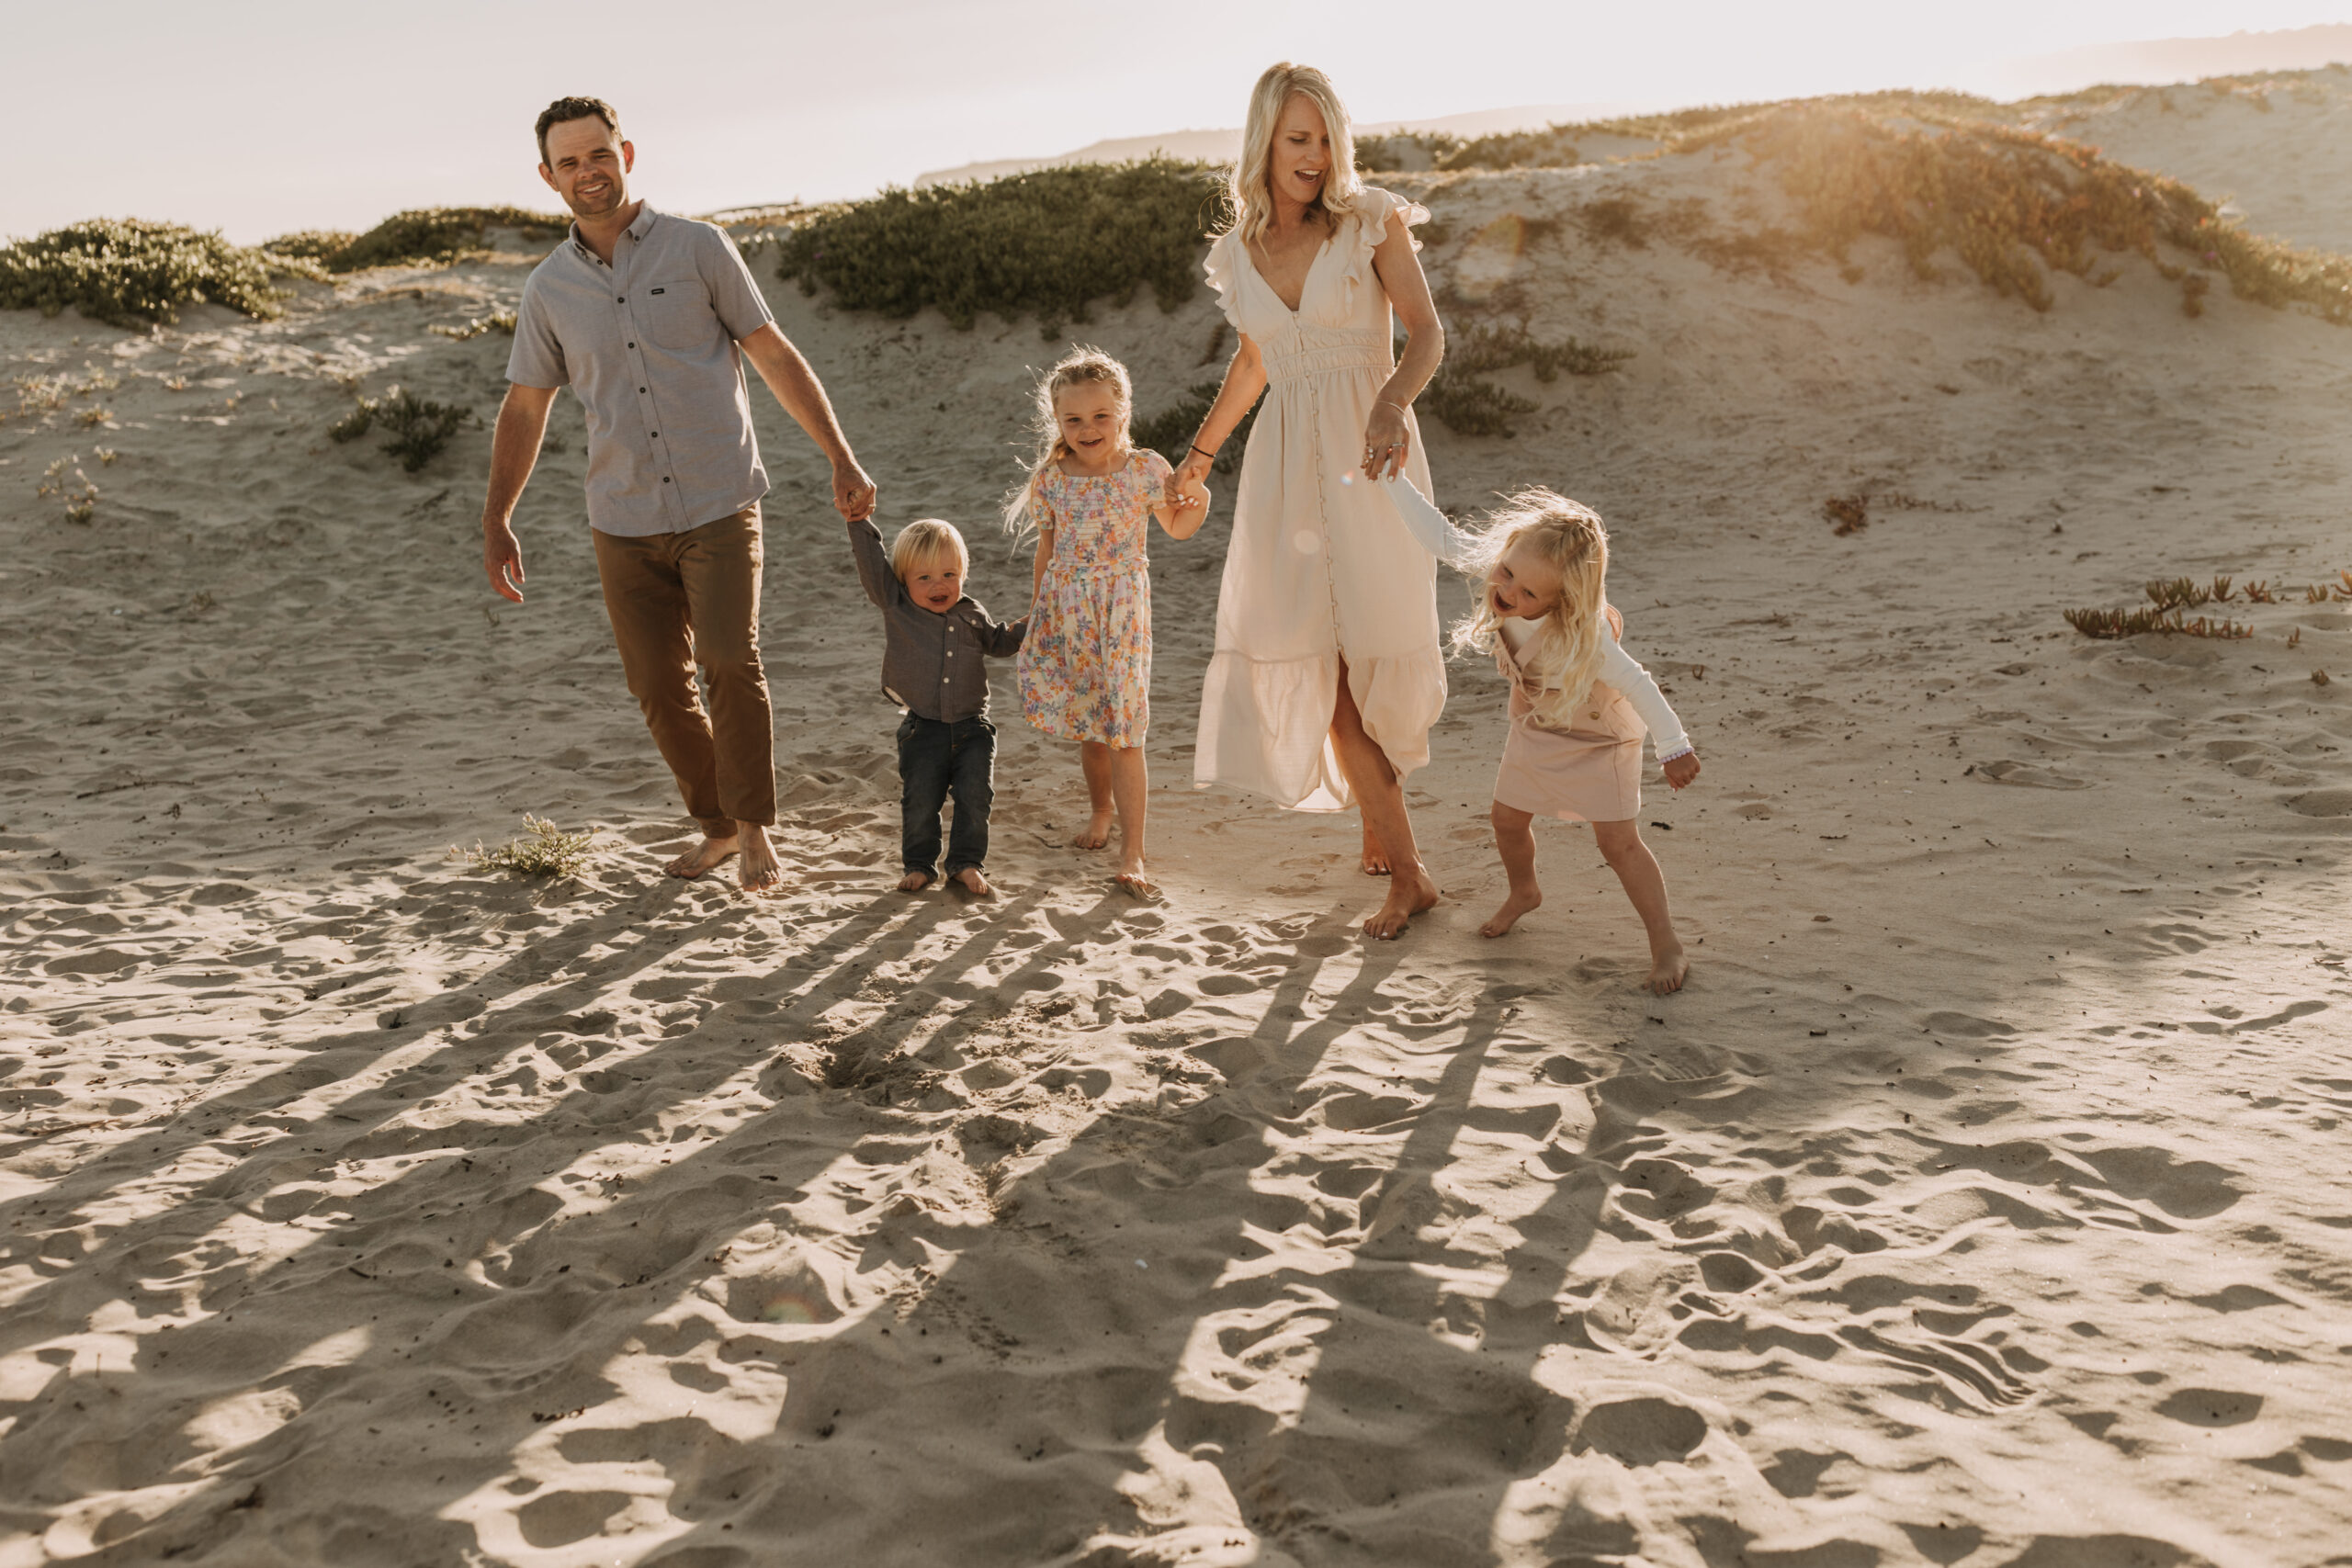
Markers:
point(1082, 365)
point(1563, 657)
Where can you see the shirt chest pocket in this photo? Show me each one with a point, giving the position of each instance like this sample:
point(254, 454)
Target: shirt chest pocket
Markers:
point(677, 315)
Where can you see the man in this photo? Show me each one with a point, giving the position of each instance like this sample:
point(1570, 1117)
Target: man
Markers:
point(648, 319)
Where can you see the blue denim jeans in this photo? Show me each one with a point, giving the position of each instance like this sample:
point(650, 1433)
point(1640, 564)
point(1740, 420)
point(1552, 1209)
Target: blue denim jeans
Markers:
point(937, 760)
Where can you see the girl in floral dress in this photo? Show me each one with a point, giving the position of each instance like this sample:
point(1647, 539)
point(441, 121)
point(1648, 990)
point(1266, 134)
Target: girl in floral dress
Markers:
point(1085, 670)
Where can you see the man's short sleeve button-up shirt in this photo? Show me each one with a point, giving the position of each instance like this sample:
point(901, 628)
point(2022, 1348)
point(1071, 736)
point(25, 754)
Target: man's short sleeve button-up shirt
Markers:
point(648, 346)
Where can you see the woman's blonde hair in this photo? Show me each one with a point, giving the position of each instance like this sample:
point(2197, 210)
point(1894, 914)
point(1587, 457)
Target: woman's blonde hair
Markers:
point(1083, 365)
point(1563, 657)
point(1251, 189)
point(925, 540)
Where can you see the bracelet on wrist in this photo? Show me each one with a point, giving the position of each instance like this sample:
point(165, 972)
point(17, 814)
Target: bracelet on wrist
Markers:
point(1203, 451)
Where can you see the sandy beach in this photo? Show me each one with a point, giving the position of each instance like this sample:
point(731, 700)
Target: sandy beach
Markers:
point(1981, 1202)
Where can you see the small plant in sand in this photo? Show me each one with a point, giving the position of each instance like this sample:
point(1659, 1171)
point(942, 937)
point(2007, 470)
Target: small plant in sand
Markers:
point(2187, 593)
point(1046, 243)
point(2261, 593)
point(65, 479)
point(1851, 513)
point(1472, 405)
point(543, 849)
point(92, 417)
point(127, 272)
point(419, 428)
point(2107, 624)
point(105, 456)
point(438, 235)
point(501, 322)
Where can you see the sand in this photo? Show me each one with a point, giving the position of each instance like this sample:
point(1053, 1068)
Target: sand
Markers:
point(1981, 1200)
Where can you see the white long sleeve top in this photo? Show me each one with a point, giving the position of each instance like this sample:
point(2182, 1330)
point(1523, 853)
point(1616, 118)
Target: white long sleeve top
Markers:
point(1618, 669)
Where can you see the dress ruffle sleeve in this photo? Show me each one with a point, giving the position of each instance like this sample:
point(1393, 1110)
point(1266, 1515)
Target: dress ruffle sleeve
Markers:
point(1224, 269)
point(1369, 226)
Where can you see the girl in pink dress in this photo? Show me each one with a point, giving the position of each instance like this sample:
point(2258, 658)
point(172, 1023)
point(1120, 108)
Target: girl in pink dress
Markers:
point(1580, 705)
point(1085, 669)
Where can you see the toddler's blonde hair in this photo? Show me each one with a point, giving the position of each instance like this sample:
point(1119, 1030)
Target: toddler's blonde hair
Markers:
point(1083, 365)
point(1563, 657)
point(1251, 188)
point(927, 539)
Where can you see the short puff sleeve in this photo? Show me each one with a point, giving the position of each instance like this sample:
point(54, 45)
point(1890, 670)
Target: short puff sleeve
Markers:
point(1224, 269)
point(1369, 226)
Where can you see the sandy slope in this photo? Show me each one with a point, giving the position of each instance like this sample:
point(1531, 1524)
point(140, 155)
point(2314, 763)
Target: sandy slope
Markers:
point(1981, 1202)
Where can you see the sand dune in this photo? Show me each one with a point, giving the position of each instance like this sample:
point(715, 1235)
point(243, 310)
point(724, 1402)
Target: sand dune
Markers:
point(1980, 1203)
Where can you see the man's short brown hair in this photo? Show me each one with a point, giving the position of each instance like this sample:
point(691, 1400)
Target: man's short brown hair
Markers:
point(563, 109)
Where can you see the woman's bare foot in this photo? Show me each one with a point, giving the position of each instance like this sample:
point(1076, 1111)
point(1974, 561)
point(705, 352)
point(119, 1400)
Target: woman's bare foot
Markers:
point(759, 869)
point(1508, 916)
point(1667, 967)
point(1375, 859)
point(1409, 895)
point(914, 882)
point(704, 857)
point(970, 880)
point(1096, 833)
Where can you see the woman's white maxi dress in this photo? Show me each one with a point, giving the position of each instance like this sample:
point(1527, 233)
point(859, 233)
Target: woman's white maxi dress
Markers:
point(1321, 565)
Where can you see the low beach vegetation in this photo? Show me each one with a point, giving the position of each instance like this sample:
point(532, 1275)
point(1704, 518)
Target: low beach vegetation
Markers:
point(543, 849)
point(428, 235)
point(129, 273)
point(310, 244)
point(2133, 623)
point(1170, 432)
point(419, 427)
point(498, 322)
point(1046, 243)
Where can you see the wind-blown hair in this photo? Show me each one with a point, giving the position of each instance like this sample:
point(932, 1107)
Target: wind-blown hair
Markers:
point(1564, 656)
point(1250, 190)
point(1082, 365)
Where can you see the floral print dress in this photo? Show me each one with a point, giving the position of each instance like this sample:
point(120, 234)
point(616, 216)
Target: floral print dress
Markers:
point(1085, 669)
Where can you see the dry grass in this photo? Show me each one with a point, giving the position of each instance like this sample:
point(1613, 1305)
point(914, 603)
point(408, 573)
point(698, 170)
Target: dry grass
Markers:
point(545, 850)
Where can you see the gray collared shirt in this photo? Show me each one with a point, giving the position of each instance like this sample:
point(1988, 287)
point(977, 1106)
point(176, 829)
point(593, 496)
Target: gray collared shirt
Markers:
point(932, 662)
point(648, 346)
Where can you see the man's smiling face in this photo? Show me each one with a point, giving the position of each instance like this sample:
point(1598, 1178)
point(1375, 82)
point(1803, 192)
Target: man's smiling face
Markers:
point(588, 165)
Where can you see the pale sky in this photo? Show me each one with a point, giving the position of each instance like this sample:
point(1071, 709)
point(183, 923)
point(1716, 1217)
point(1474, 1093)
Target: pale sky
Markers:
point(261, 115)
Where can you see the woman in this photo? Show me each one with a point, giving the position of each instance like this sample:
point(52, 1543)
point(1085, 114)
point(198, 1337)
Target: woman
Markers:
point(1327, 674)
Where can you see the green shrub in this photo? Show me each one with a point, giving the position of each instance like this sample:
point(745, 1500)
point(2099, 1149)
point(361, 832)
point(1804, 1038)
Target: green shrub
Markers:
point(1046, 242)
point(1482, 346)
point(128, 273)
point(1472, 405)
point(311, 244)
point(1170, 432)
point(439, 235)
point(419, 429)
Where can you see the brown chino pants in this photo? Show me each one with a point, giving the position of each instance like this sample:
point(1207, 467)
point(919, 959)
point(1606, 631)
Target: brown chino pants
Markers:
point(680, 600)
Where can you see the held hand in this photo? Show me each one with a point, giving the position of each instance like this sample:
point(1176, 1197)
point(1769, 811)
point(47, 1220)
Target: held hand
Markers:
point(1682, 770)
point(1192, 473)
point(1386, 441)
point(852, 491)
point(502, 558)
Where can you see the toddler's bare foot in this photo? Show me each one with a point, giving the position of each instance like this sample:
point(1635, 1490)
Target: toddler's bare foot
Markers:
point(914, 882)
point(1409, 895)
point(704, 857)
point(1375, 859)
point(759, 869)
point(1667, 967)
point(970, 880)
point(1096, 834)
point(1508, 916)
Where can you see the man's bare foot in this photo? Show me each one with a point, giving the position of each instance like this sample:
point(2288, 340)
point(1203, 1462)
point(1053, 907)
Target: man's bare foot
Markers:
point(1667, 967)
point(1518, 904)
point(970, 880)
point(1096, 834)
point(914, 882)
point(1409, 895)
point(759, 871)
point(1375, 859)
point(704, 857)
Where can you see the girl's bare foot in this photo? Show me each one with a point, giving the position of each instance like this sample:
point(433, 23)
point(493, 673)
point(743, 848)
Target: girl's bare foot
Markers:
point(704, 857)
point(759, 871)
point(1508, 916)
point(1133, 881)
point(1667, 967)
point(914, 882)
point(1409, 895)
point(1096, 833)
point(970, 880)
point(1375, 859)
